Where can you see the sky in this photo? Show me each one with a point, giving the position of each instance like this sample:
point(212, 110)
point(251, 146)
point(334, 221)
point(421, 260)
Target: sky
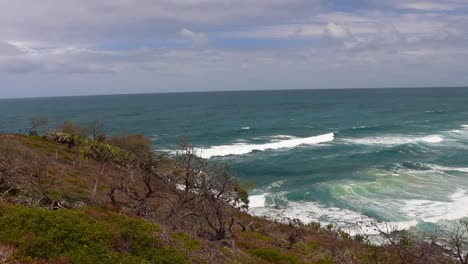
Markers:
point(84, 47)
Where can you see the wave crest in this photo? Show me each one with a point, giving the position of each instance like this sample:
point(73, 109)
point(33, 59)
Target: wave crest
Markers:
point(395, 140)
point(244, 148)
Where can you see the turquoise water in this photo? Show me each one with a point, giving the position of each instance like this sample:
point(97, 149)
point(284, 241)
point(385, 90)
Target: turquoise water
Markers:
point(336, 156)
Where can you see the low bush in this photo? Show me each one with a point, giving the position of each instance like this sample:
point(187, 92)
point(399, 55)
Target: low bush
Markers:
point(273, 256)
point(78, 237)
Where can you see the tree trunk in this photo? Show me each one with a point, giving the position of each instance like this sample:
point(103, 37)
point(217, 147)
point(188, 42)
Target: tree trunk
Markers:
point(98, 178)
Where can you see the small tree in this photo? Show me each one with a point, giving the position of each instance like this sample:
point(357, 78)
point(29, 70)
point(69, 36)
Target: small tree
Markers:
point(136, 144)
point(36, 124)
point(221, 195)
point(183, 178)
point(208, 193)
point(457, 240)
point(69, 127)
point(103, 154)
point(148, 177)
point(94, 128)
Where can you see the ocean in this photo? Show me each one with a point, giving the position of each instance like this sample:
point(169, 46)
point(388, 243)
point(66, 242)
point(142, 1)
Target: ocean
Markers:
point(347, 157)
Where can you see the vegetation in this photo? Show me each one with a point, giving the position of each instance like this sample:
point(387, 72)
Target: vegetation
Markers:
point(82, 236)
point(76, 196)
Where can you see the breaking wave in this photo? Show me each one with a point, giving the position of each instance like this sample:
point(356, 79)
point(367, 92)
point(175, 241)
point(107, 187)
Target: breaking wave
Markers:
point(245, 148)
point(395, 140)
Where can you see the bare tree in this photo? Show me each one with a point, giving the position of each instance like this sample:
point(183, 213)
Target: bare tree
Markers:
point(70, 128)
point(28, 180)
point(204, 192)
point(221, 197)
point(183, 180)
point(412, 247)
point(456, 239)
point(95, 128)
point(148, 177)
point(297, 232)
point(36, 124)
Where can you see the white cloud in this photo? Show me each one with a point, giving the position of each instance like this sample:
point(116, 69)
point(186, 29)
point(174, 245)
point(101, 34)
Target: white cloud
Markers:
point(125, 46)
point(386, 36)
point(287, 31)
point(334, 31)
point(85, 21)
point(430, 6)
point(7, 49)
point(199, 39)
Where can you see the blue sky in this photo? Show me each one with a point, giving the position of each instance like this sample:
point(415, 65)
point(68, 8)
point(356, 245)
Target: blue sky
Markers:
point(77, 47)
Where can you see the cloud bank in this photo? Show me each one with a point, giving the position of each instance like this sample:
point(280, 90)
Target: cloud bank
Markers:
point(92, 47)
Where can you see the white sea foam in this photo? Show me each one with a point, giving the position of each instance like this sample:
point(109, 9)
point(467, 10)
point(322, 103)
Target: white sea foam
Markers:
point(276, 184)
point(395, 140)
point(349, 221)
point(434, 211)
point(443, 168)
point(245, 128)
point(257, 200)
point(433, 139)
point(279, 137)
point(244, 148)
point(353, 222)
point(359, 127)
point(424, 196)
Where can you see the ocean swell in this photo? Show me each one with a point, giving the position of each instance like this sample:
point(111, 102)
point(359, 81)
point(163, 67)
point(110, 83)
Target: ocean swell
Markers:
point(245, 148)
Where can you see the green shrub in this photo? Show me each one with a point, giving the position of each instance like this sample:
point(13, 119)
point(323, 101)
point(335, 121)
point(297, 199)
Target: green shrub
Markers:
point(188, 242)
point(40, 234)
point(273, 256)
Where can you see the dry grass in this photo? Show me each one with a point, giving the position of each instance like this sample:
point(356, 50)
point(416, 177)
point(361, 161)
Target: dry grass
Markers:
point(6, 252)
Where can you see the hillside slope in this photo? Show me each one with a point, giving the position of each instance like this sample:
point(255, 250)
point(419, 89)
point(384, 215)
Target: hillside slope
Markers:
point(66, 199)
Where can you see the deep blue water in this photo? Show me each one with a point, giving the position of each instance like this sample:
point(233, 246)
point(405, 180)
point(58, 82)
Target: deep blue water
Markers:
point(398, 155)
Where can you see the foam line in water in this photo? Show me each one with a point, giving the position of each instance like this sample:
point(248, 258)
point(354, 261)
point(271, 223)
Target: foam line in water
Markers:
point(395, 140)
point(244, 148)
point(443, 168)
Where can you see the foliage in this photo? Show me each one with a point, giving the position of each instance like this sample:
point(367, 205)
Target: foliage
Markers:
point(64, 138)
point(273, 256)
point(71, 128)
point(188, 242)
point(81, 238)
point(136, 144)
point(103, 154)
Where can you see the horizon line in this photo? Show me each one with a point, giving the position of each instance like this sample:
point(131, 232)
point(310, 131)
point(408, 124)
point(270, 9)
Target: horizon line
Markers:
point(222, 91)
